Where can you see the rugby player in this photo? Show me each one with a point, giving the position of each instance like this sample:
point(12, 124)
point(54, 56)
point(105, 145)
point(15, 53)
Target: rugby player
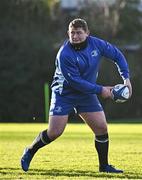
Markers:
point(74, 86)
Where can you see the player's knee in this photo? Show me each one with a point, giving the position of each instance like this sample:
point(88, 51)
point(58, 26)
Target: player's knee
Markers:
point(102, 128)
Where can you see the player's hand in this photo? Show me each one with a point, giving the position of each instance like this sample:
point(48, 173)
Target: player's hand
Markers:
point(128, 83)
point(106, 92)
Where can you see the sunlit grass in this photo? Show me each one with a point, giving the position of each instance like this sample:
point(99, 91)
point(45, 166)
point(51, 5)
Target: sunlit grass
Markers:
point(73, 155)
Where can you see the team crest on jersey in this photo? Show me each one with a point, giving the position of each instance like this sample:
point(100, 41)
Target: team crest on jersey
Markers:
point(58, 109)
point(94, 53)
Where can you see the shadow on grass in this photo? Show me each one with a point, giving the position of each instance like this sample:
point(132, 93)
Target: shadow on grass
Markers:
point(69, 173)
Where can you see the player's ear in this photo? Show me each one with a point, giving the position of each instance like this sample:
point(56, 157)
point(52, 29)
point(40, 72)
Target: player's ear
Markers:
point(68, 32)
point(88, 32)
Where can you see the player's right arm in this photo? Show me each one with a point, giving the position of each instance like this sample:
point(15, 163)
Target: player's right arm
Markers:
point(106, 92)
point(72, 75)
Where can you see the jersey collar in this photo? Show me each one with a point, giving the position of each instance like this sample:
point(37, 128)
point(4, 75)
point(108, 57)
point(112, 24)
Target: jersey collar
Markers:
point(79, 46)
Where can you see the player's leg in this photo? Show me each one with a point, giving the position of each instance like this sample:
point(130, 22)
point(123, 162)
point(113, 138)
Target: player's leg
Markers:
point(56, 127)
point(92, 112)
point(59, 110)
point(97, 122)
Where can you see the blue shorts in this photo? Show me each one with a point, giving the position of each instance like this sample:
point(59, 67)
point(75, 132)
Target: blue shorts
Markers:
point(62, 105)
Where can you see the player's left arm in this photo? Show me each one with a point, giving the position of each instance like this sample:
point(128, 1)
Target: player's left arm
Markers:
point(114, 54)
point(127, 82)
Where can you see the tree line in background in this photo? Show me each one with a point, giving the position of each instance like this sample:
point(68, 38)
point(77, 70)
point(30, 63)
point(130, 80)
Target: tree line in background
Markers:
point(31, 33)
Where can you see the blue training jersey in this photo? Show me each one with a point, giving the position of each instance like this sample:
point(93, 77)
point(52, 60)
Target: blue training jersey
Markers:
point(77, 70)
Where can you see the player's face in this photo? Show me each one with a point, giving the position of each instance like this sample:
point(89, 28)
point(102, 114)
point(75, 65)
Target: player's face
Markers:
point(77, 35)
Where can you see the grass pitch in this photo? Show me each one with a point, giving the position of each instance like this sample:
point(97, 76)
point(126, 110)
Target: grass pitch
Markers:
point(72, 156)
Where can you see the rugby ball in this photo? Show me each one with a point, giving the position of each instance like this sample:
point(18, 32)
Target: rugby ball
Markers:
point(120, 93)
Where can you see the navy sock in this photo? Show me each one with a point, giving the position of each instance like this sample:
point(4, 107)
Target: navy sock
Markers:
point(40, 141)
point(102, 144)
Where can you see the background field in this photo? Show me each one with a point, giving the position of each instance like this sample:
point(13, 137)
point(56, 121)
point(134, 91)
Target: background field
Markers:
point(73, 155)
